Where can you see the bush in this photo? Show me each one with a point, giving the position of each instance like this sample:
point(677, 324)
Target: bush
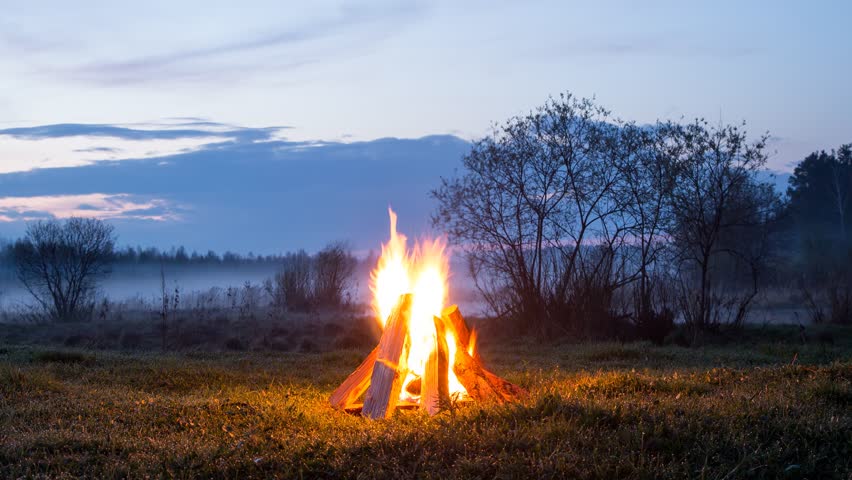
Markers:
point(234, 343)
point(308, 346)
point(130, 340)
point(353, 339)
point(307, 282)
point(655, 326)
point(59, 356)
point(76, 340)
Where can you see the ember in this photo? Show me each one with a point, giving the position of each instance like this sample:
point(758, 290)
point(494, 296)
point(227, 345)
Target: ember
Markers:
point(426, 357)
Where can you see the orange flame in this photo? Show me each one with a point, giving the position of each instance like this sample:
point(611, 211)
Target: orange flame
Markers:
point(422, 271)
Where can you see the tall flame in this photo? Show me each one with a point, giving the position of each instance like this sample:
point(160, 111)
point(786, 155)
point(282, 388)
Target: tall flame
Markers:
point(423, 272)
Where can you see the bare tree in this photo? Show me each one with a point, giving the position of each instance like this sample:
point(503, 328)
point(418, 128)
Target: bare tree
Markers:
point(306, 282)
point(59, 263)
point(720, 213)
point(566, 211)
point(294, 284)
point(333, 270)
point(540, 212)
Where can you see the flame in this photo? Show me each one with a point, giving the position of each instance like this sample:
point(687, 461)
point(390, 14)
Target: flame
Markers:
point(422, 271)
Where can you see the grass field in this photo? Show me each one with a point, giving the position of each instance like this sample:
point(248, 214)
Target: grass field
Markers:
point(765, 406)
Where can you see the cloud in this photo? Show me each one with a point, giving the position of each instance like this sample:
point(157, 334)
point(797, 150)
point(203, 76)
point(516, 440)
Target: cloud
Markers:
point(261, 196)
point(671, 45)
point(97, 150)
point(96, 205)
point(75, 144)
point(284, 49)
point(160, 132)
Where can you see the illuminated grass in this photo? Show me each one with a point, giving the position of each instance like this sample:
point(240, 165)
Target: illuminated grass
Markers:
point(595, 411)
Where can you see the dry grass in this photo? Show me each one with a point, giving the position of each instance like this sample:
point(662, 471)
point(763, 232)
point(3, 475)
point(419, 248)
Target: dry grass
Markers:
point(595, 411)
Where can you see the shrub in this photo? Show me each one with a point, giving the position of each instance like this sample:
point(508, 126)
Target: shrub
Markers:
point(234, 343)
point(130, 340)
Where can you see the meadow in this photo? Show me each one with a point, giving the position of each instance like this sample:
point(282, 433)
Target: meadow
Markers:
point(773, 402)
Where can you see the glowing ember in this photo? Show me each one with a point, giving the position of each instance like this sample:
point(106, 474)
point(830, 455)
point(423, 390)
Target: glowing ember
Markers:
point(423, 272)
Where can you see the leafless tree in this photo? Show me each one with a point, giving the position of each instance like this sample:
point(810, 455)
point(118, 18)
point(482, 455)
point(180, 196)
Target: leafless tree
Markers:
point(541, 212)
point(60, 262)
point(306, 282)
point(564, 210)
point(294, 284)
point(720, 213)
point(333, 270)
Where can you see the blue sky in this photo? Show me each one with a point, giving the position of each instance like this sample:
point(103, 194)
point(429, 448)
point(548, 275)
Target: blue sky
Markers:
point(330, 71)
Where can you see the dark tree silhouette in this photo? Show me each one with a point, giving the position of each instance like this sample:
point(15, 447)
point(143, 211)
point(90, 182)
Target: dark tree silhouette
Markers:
point(306, 282)
point(549, 208)
point(820, 194)
point(720, 212)
point(60, 262)
point(333, 270)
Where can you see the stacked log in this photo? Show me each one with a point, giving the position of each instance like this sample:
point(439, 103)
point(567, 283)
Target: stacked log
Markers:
point(381, 375)
point(391, 365)
point(435, 390)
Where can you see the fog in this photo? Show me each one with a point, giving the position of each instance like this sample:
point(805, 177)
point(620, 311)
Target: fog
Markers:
point(143, 283)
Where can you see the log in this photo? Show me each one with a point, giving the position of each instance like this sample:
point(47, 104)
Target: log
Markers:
point(435, 389)
point(472, 376)
point(455, 321)
point(508, 390)
point(413, 386)
point(358, 408)
point(355, 384)
point(391, 366)
point(479, 382)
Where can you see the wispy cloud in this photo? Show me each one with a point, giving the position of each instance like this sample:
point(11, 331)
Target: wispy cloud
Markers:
point(73, 144)
point(158, 132)
point(284, 49)
point(97, 150)
point(96, 205)
point(669, 45)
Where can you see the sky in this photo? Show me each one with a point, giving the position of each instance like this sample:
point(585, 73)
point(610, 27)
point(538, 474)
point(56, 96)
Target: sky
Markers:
point(80, 86)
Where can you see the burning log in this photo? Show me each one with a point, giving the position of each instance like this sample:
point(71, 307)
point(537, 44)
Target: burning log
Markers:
point(355, 384)
point(456, 322)
point(391, 364)
point(480, 383)
point(358, 408)
point(435, 389)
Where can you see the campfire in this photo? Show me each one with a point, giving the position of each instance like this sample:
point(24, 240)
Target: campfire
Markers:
point(427, 356)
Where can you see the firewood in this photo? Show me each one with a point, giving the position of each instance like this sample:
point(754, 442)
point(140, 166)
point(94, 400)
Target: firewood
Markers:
point(414, 386)
point(435, 390)
point(391, 364)
point(455, 321)
point(472, 376)
point(355, 384)
point(479, 382)
point(508, 390)
point(358, 408)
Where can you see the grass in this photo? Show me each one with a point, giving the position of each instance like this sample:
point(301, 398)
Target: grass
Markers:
point(752, 409)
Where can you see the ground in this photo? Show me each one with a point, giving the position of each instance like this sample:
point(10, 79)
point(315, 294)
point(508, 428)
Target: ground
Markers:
point(764, 406)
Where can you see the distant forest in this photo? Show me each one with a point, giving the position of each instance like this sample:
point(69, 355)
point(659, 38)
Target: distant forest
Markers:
point(173, 256)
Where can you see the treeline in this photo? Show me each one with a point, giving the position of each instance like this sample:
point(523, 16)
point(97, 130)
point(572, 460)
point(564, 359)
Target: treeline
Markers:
point(180, 256)
point(61, 263)
point(174, 256)
point(576, 222)
point(817, 247)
